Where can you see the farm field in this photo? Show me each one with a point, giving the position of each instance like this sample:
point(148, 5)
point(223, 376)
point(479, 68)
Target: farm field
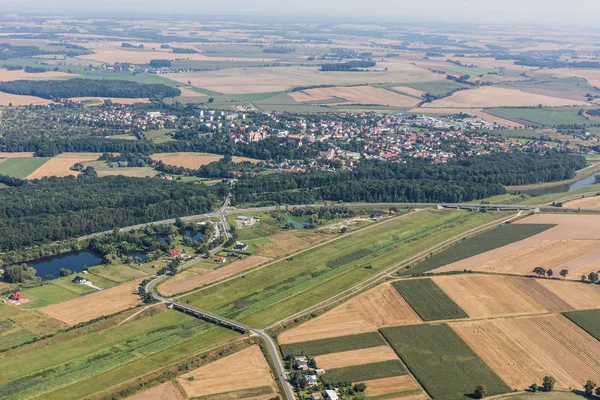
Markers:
point(572, 245)
point(356, 94)
point(270, 294)
point(541, 116)
point(442, 362)
point(587, 202)
point(588, 320)
point(379, 307)
point(400, 385)
point(18, 326)
point(117, 273)
point(193, 160)
point(580, 296)
point(7, 99)
point(493, 96)
point(244, 370)
point(383, 369)
point(185, 282)
point(315, 348)
point(356, 357)
point(484, 296)
point(481, 243)
point(98, 304)
point(45, 295)
point(59, 165)
point(428, 300)
point(21, 167)
point(104, 170)
point(523, 350)
point(165, 391)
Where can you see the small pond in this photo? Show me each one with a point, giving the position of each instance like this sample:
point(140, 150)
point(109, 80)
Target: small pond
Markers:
point(49, 267)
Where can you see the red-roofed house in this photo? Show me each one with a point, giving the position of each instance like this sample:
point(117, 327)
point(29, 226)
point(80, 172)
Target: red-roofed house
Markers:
point(174, 253)
point(16, 296)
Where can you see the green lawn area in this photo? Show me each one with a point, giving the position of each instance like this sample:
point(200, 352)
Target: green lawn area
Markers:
point(428, 300)
point(46, 294)
point(333, 345)
point(481, 243)
point(542, 116)
point(294, 284)
point(365, 372)
point(588, 320)
point(21, 167)
point(116, 273)
point(159, 135)
point(33, 321)
point(73, 365)
point(11, 334)
point(442, 362)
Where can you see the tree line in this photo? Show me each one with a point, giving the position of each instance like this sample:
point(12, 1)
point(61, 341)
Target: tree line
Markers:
point(60, 89)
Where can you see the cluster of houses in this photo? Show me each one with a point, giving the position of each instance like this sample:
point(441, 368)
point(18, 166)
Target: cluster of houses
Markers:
point(313, 380)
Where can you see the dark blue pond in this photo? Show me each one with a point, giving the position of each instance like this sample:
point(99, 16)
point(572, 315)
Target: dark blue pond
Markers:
point(49, 267)
point(195, 236)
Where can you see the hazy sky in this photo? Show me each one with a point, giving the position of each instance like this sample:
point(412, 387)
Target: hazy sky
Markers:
point(534, 11)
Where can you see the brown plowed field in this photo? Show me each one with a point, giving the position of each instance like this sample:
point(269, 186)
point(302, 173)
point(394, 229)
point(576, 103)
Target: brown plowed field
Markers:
point(166, 391)
point(379, 307)
point(523, 350)
point(579, 295)
point(356, 357)
point(483, 296)
point(395, 384)
point(95, 305)
point(246, 369)
point(185, 283)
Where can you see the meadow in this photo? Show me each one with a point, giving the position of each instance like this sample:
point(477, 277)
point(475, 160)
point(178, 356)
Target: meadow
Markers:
point(365, 372)
point(588, 320)
point(481, 243)
point(301, 281)
point(333, 345)
point(428, 300)
point(442, 362)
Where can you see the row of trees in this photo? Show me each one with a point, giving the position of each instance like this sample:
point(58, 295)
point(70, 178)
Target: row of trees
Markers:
point(539, 271)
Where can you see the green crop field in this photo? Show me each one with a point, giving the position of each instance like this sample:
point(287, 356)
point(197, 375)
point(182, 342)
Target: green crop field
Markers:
point(294, 284)
point(21, 167)
point(481, 243)
point(116, 273)
point(365, 372)
point(542, 116)
point(442, 362)
point(428, 300)
point(46, 294)
point(588, 320)
point(334, 345)
point(76, 363)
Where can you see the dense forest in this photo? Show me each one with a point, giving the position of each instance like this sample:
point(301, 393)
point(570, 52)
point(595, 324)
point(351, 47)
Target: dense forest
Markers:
point(415, 181)
point(347, 66)
point(60, 208)
point(59, 89)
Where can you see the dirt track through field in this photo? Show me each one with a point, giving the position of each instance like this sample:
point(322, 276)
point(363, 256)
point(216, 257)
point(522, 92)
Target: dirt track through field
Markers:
point(246, 369)
point(356, 357)
point(96, 304)
point(483, 296)
point(523, 350)
point(379, 307)
point(184, 283)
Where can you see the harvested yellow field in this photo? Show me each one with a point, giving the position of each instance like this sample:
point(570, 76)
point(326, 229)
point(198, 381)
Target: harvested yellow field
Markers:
point(570, 226)
point(60, 166)
point(395, 384)
point(591, 75)
point(166, 391)
point(358, 95)
point(474, 112)
point(7, 99)
point(193, 160)
point(579, 295)
point(379, 307)
point(355, 357)
point(243, 370)
point(289, 242)
point(95, 305)
point(181, 283)
point(586, 202)
point(144, 56)
point(484, 296)
point(409, 90)
point(22, 154)
point(7, 76)
point(524, 350)
point(492, 96)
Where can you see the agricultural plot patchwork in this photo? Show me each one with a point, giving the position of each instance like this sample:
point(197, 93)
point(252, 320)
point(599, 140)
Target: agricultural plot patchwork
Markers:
point(356, 357)
point(21, 167)
point(384, 369)
point(588, 320)
point(334, 345)
point(442, 362)
point(428, 300)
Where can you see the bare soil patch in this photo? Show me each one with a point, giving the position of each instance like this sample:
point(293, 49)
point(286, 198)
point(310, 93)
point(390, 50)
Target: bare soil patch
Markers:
point(96, 304)
point(493, 96)
point(358, 95)
point(356, 357)
point(379, 307)
point(193, 160)
point(395, 384)
point(523, 350)
point(166, 391)
point(193, 281)
point(246, 369)
point(483, 296)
